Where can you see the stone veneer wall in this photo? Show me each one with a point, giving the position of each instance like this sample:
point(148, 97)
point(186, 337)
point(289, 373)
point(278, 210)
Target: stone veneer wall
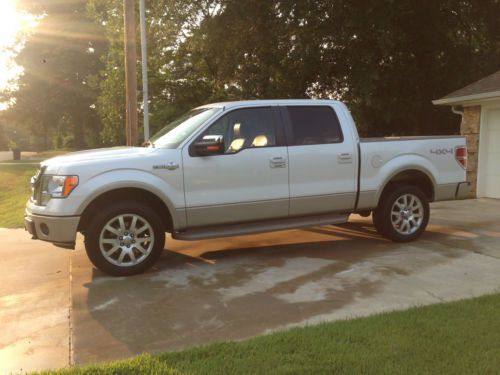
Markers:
point(470, 129)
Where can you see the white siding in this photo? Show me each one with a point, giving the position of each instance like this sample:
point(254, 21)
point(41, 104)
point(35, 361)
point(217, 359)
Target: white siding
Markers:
point(489, 154)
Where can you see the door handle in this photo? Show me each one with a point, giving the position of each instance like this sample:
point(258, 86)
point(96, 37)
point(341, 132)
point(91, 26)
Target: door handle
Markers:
point(344, 157)
point(277, 162)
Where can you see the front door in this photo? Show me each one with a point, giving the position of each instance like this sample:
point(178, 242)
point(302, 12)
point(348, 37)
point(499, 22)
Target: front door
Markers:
point(249, 181)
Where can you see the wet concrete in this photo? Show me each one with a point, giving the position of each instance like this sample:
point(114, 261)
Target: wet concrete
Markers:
point(234, 288)
point(34, 304)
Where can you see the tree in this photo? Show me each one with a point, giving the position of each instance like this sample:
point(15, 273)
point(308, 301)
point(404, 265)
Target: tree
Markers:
point(4, 143)
point(387, 60)
point(58, 59)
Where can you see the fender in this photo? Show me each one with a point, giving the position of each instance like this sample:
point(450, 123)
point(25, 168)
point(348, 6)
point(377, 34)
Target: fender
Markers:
point(135, 178)
point(405, 163)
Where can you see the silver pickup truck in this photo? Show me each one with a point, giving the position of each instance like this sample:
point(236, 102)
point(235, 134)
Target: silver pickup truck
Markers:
point(236, 168)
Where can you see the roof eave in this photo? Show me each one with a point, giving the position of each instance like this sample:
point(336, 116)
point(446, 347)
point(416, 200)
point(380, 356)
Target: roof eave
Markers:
point(460, 100)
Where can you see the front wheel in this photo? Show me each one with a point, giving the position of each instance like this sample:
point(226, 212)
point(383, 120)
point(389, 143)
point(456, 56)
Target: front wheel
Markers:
point(125, 239)
point(403, 214)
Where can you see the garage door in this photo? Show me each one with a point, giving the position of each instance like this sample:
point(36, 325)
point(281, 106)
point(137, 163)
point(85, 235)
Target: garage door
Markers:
point(489, 169)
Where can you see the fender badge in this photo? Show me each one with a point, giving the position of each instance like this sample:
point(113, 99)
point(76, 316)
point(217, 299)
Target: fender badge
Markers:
point(170, 166)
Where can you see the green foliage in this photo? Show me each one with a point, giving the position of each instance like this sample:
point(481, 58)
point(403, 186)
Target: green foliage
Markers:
point(58, 57)
point(69, 141)
point(15, 187)
point(15, 191)
point(386, 59)
point(4, 143)
point(58, 141)
point(144, 364)
point(110, 81)
point(451, 338)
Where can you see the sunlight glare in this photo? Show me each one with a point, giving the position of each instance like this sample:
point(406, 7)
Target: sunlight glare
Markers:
point(12, 23)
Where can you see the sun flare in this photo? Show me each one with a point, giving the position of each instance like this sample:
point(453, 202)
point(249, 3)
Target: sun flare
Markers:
point(12, 23)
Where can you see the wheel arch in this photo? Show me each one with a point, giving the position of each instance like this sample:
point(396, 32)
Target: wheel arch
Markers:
point(120, 194)
point(416, 176)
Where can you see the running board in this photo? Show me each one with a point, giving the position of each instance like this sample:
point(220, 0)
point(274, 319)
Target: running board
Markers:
point(259, 227)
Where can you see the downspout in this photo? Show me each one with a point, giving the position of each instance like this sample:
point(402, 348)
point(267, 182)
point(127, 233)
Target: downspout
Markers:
point(458, 110)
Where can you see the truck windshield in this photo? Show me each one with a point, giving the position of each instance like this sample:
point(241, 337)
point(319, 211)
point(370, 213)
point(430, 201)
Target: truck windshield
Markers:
point(172, 135)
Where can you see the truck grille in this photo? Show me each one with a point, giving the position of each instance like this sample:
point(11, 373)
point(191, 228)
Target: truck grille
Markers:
point(36, 186)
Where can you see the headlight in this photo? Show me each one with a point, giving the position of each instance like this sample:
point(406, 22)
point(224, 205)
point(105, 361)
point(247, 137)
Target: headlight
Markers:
point(56, 187)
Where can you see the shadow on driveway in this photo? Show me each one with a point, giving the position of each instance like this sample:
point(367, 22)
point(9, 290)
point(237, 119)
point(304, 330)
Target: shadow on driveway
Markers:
point(234, 288)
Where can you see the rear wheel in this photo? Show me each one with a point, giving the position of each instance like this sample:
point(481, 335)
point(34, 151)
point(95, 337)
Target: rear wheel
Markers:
point(403, 214)
point(125, 239)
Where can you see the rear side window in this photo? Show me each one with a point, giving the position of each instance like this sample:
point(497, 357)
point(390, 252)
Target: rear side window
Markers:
point(313, 125)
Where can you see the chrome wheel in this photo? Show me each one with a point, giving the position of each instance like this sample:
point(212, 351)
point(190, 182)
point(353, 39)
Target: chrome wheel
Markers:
point(126, 240)
point(407, 214)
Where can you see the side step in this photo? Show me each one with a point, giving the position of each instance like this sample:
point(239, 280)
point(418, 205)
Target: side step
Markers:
point(259, 227)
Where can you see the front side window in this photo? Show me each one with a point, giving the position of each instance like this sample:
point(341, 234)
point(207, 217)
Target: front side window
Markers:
point(245, 128)
point(172, 135)
point(311, 125)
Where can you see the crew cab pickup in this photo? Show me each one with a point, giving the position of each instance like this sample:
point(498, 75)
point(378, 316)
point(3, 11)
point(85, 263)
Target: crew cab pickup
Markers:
point(237, 168)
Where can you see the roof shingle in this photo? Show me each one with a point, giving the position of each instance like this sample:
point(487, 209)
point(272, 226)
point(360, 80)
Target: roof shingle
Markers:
point(485, 85)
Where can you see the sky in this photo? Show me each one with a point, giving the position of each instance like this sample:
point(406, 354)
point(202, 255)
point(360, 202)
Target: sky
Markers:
point(12, 23)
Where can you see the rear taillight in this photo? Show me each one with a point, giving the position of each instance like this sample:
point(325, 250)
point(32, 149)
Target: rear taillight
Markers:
point(461, 156)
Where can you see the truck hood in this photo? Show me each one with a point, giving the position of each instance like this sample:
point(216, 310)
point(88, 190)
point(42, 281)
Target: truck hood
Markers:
point(98, 154)
point(115, 156)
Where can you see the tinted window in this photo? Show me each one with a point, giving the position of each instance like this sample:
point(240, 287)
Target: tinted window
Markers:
point(245, 128)
point(313, 125)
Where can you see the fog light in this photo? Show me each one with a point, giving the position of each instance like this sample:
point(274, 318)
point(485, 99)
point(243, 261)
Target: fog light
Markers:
point(45, 229)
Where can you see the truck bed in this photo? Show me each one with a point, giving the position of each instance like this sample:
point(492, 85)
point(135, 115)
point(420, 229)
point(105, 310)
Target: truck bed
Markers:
point(382, 158)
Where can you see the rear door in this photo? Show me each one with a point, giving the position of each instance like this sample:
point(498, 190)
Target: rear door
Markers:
point(321, 161)
point(249, 181)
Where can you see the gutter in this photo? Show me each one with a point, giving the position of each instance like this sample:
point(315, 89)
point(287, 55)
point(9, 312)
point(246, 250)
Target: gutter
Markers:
point(467, 98)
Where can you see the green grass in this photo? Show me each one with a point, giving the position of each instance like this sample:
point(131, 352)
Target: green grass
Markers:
point(15, 187)
point(453, 338)
point(15, 190)
point(51, 153)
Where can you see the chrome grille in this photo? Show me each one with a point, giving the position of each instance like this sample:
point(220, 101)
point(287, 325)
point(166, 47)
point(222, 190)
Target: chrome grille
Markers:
point(36, 186)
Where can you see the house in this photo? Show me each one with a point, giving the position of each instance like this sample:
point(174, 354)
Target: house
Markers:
point(479, 106)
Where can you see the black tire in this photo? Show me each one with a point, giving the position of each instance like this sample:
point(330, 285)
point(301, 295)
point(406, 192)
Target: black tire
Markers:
point(366, 213)
point(383, 216)
point(143, 214)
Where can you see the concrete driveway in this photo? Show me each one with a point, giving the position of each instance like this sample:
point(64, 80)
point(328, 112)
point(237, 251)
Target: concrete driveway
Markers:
point(56, 310)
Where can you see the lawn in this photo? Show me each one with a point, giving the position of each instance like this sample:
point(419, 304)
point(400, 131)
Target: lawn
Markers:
point(15, 187)
point(15, 190)
point(51, 153)
point(452, 338)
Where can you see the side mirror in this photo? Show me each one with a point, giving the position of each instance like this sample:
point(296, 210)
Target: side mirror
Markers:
point(210, 145)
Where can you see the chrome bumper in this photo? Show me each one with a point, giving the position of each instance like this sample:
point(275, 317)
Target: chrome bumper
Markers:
point(60, 230)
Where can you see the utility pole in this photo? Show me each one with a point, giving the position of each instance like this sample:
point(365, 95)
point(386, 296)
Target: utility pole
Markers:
point(130, 72)
point(144, 54)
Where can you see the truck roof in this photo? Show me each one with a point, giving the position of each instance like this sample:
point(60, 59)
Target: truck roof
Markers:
point(228, 105)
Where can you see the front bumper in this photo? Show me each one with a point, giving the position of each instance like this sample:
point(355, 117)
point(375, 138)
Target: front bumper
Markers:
point(60, 230)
